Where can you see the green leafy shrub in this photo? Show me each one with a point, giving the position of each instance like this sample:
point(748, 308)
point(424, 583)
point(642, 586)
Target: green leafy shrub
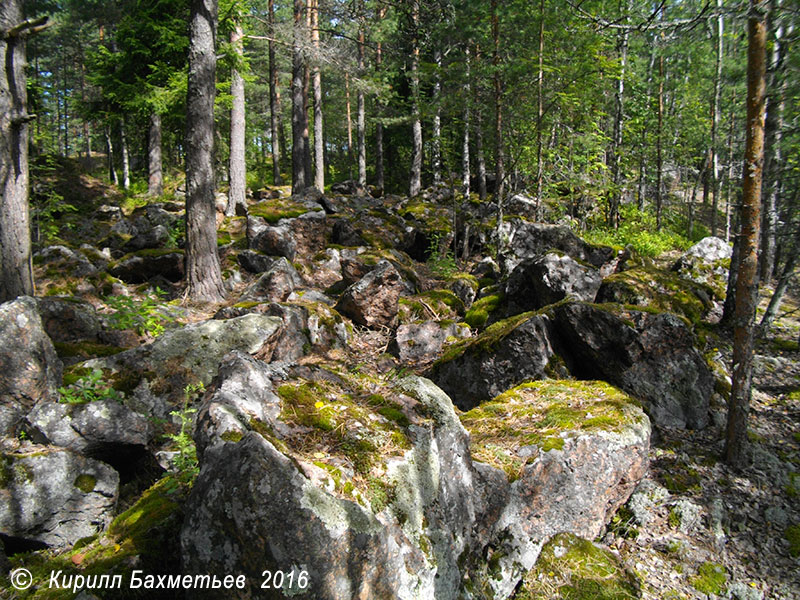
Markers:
point(145, 315)
point(441, 260)
point(89, 388)
point(185, 462)
point(638, 230)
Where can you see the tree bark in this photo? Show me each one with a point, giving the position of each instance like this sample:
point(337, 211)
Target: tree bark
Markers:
point(299, 121)
point(155, 180)
point(16, 270)
point(499, 171)
point(237, 168)
point(274, 104)
point(540, 112)
point(619, 115)
point(415, 184)
point(126, 161)
point(112, 171)
point(715, 120)
point(349, 116)
point(203, 273)
point(319, 139)
point(361, 122)
point(747, 283)
point(479, 157)
point(465, 170)
point(379, 174)
point(307, 159)
point(659, 144)
point(773, 136)
point(436, 133)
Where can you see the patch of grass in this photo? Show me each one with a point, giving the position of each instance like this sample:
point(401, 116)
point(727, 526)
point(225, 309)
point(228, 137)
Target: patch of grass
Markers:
point(711, 578)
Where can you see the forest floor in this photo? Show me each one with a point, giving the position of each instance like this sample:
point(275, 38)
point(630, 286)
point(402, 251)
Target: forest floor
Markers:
point(712, 532)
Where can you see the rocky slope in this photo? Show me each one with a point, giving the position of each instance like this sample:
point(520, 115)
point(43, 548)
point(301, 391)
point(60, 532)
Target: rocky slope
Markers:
point(370, 422)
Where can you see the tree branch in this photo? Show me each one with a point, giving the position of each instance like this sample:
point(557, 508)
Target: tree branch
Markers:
point(27, 28)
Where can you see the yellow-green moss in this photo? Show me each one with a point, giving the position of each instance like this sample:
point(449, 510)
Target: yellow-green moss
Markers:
point(85, 483)
point(274, 210)
point(544, 414)
point(478, 313)
point(711, 578)
point(571, 568)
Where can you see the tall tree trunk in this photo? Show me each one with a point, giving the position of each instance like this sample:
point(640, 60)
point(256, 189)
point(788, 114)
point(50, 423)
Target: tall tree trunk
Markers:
point(747, 283)
point(619, 116)
point(539, 112)
point(361, 117)
point(480, 159)
point(415, 184)
point(465, 170)
point(299, 121)
point(203, 273)
point(659, 144)
point(349, 116)
point(436, 133)
point(126, 160)
point(112, 171)
point(379, 174)
point(16, 271)
point(274, 103)
point(499, 171)
point(155, 180)
point(307, 162)
point(87, 135)
point(729, 176)
point(237, 167)
point(715, 119)
point(319, 139)
point(773, 163)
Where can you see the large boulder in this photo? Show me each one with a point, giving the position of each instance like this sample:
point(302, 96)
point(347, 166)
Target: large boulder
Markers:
point(537, 282)
point(575, 451)
point(271, 240)
point(30, 371)
point(651, 356)
point(415, 342)
point(437, 524)
point(506, 354)
point(148, 264)
point(532, 240)
point(241, 392)
point(55, 497)
point(93, 429)
point(710, 249)
point(68, 319)
point(373, 300)
point(191, 354)
point(276, 284)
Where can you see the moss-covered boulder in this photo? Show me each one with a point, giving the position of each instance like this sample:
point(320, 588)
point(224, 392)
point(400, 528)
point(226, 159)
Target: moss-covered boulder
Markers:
point(651, 356)
point(572, 568)
point(574, 450)
point(143, 265)
point(507, 353)
point(662, 291)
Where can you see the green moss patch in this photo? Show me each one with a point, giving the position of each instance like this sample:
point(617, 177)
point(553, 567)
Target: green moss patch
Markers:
point(478, 314)
point(662, 291)
point(544, 414)
point(85, 483)
point(85, 350)
point(711, 578)
point(571, 568)
point(793, 536)
point(276, 209)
